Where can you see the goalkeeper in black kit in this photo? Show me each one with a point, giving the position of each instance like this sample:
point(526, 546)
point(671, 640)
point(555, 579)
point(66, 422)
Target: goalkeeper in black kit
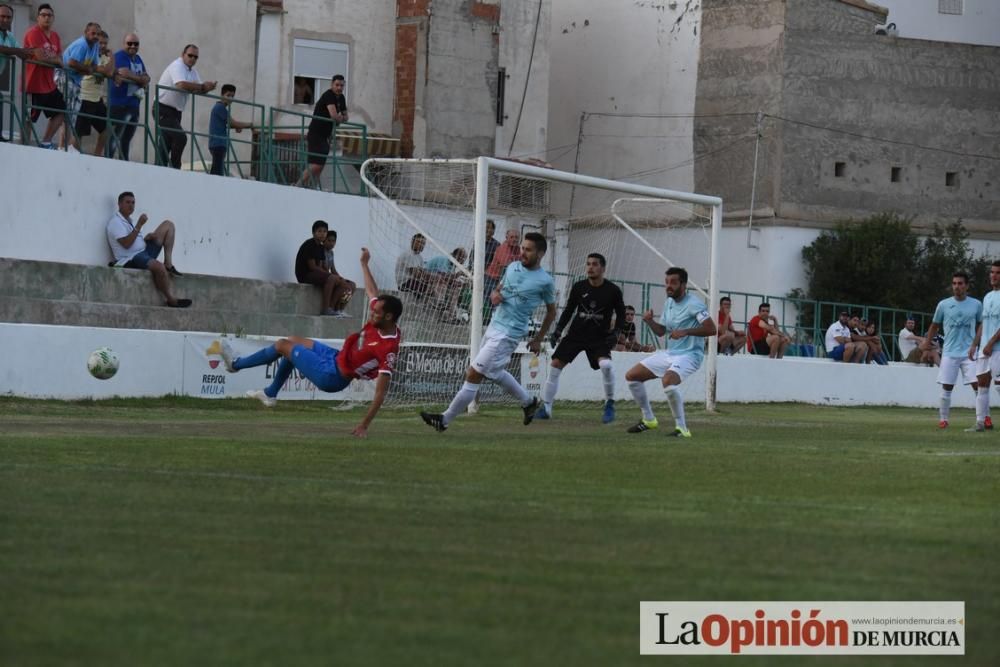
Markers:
point(593, 301)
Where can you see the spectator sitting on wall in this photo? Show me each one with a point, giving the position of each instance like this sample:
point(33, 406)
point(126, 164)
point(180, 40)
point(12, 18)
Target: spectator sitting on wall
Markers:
point(626, 335)
point(81, 59)
point(331, 108)
point(328, 245)
point(731, 339)
point(181, 75)
point(218, 129)
point(311, 269)
point(447, 281)
point(8, 51)
point(134, 251)
point(764, 336)
point(909, 346)
point(839, 346)
point(874, 342)
point(128, 89)
point(410, 273)
point(39, 80)
point(93, 112)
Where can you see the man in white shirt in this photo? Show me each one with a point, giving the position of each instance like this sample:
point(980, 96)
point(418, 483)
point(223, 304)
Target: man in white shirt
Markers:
point(838, 342)
point(410, 273)
point(909, 345)
point(134, 251)
point(181, 75)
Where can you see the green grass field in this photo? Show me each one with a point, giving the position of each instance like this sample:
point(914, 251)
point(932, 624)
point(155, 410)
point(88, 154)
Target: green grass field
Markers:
point(216, 532)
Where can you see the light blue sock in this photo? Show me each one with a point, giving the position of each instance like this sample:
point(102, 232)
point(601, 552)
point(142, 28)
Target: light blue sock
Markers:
point(280, 377)
point(261, 357)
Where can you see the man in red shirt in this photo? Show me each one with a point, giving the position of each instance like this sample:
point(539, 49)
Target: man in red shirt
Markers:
point(39, 80)
point(369, 354)
point(764, 336)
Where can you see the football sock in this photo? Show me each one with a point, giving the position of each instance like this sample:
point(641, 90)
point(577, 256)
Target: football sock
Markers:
point(463, 399)
point(676, 405)
point(513, 387)
point(945, 409)
point(997, 387)
point(608, 371)
point(280, 377)
point(551, 387)
point(258, 358)
point(982, 404)
point(638, 390)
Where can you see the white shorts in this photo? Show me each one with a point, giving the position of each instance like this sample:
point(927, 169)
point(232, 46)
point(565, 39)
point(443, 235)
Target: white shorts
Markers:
point(950, 366)
point(494, 353)
point(990, 364)
point(660, 363)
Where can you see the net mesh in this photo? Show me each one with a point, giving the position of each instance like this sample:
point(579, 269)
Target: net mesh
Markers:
point(422, 223)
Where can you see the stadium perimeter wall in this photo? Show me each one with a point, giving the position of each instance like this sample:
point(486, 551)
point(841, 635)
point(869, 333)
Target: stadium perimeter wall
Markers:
point(46, 361)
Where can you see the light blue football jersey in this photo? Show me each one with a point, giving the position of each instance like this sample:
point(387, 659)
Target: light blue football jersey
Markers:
point(991, 317)
point(688, 313)
point(522, 292)
point(959, 319)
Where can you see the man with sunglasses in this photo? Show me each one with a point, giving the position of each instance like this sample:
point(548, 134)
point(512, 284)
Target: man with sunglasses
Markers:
point(182, 76)
point(128, 89)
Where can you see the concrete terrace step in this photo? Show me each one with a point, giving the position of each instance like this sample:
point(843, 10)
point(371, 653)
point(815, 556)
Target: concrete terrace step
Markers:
point(101, 284)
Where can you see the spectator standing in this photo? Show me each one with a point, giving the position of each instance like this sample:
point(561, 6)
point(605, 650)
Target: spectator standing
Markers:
point(331, 108)
point(731, 339)
point(218, 129)
point(134, 251)
point(80, 59)
point(8, 51)
point(909, 346)
point(93, 112)
point(182, 76)
point(410, 273)
point(839, 346)
point(764, 336)
point(505, 254)
point(128, 89)
point(39, 80)
point(311, 269)
point(491, 245)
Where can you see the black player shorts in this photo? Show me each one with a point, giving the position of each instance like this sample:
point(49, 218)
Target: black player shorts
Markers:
point(569, 347)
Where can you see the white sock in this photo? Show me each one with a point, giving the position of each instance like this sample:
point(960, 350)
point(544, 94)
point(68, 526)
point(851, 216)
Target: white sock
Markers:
point(997, 387)
point(676, 405)
point(608, 371)
point(945, 410)
point(463, 399)
point(982, 404)
point(513, 387)
point(638, 390)
point(551, 387)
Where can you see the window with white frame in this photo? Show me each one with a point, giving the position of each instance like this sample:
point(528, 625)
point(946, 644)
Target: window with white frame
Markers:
point(314, 63)
point(950, 6)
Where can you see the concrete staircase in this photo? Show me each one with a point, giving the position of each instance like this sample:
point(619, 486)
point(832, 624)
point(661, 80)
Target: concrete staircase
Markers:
point(98, 296)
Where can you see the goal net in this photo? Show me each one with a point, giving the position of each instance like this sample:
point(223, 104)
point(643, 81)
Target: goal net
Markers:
point(441, 233)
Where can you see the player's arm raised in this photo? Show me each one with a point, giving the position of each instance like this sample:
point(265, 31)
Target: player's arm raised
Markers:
point(535, 345)
point(381, 389)
point(371, 287)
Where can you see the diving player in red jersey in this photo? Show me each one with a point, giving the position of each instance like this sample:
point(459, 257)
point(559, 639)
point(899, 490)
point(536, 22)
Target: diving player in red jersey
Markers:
point(369, 354)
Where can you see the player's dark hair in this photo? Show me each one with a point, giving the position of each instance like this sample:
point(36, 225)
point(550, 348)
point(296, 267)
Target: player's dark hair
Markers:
point(337, 77)
point(678, 271)
point(725, 299)
point(42, 7)
point(228, 88)
point(392, 306)
point(541, 245)
point(961, 274)
point(599, 257)
point(763, 306)
point(123, 195)
point(320, 224)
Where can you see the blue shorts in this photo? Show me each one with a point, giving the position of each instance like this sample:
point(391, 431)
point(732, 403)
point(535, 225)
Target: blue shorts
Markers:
point(142, 260)
point(837, 353)
point(319, 365)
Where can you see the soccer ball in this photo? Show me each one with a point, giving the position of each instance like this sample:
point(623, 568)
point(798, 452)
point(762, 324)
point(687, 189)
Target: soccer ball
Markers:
point(103, 363)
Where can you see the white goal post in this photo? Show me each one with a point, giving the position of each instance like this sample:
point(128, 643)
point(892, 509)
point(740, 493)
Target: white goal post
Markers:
point(457, 198)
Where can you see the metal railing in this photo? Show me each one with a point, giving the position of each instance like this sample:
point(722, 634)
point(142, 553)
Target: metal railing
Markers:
point(289, 151)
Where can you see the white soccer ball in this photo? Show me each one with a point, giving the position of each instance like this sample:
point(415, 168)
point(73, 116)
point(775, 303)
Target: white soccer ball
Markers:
point(103, 363)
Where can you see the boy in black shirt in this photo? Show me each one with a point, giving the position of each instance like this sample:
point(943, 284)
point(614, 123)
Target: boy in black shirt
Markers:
point(593, 300)
point(311, 269)
point(331, 105)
